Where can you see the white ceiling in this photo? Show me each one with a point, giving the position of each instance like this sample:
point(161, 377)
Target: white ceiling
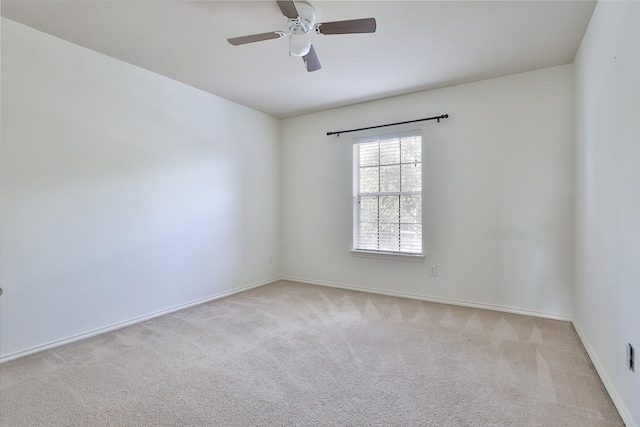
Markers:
point(418, 45)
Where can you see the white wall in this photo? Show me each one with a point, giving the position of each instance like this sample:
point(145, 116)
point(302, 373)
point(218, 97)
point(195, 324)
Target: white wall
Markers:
point(123, 193)
point(607, 294)
point(498, 194)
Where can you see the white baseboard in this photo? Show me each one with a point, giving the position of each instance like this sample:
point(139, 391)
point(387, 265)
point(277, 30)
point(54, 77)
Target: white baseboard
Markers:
point(624, 413)
point(130, 322)
point(483, 306)
point(622, 409)
point(120, 325)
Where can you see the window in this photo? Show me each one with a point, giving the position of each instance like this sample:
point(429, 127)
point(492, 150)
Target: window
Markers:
point(387, 194)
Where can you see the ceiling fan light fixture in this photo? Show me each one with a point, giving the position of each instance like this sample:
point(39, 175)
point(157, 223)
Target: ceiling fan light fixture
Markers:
point(301, 20)
point(300, 43)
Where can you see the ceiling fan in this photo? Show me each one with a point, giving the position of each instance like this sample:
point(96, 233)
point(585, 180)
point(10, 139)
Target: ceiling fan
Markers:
point(301, 20)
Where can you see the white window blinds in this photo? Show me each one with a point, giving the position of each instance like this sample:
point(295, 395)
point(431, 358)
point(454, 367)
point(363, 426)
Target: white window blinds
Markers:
point(387, 193)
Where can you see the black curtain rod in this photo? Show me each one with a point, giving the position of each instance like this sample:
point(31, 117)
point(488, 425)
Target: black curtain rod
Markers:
point(444, 116)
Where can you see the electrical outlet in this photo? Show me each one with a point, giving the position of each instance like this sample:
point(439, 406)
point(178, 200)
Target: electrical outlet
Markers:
point(270, 259)
point(630, 357)
point(433, 270)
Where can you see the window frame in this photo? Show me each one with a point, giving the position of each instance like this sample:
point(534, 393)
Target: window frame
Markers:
point(356, 169)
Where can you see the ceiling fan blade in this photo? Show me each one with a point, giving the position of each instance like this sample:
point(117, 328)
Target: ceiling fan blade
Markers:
point(255, 38)
point(288, 9)
point(366, 25)
point(311, 60)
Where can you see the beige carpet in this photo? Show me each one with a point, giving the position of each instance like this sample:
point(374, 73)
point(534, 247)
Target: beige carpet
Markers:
point(294, 354)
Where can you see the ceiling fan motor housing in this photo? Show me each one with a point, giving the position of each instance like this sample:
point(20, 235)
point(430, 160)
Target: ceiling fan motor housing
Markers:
point(306, 18)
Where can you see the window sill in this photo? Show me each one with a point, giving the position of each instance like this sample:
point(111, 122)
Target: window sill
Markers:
point(387, 255)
